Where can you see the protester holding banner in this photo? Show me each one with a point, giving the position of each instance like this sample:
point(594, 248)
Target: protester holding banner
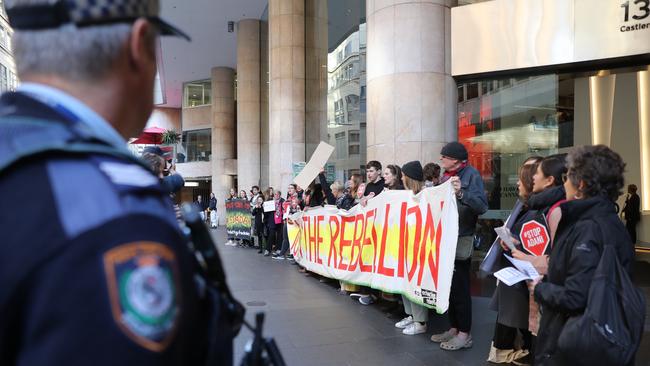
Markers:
point(255, 192)
point(512, 302)
point(589, 222)
point(375, 182)
point(417, 315)
point(392, 178)
point(353, 186)
point(336, 194)
point(472, 202)
point(238, 220)
point(291, 191)
point(431, 174)
point(392, 181)
point(292, 208)
point(277, 217)
point(372, 188)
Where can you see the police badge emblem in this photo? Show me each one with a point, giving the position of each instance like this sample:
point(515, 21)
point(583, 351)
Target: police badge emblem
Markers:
point(143, 289)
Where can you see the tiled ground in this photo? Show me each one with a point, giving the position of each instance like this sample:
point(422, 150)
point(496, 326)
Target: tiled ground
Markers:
point(313, 325)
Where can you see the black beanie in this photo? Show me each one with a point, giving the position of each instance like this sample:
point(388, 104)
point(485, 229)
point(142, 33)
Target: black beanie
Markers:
point(454, 150)
point(413, 170)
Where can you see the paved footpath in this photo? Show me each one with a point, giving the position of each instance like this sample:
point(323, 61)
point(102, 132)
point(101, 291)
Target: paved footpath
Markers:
point(314, 325)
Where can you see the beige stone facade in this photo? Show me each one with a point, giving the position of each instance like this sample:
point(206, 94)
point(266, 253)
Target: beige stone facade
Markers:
point(411, 94)
point(287, 89)
point(248, 103)
point(223, 135)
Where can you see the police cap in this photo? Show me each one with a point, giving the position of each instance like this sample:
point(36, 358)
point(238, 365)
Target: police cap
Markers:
point(84, 13)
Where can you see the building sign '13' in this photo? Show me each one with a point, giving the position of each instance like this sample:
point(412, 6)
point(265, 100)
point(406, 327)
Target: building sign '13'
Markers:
point(635, 10)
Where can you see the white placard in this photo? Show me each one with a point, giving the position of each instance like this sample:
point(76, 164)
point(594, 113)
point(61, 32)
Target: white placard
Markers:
point(316, 162)
point(269, 206)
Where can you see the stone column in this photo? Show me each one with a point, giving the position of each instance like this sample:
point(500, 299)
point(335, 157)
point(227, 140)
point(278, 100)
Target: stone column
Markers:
point(316, 47)
point(223, 135)
point(601, 102)
point(264, 103)
point(411, 105)
point(248, 103)
point(287, 93)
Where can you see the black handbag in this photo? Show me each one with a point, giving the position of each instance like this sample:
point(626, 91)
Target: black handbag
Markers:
point(609, 331)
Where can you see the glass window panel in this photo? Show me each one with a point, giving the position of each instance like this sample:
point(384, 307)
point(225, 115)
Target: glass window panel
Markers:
point(197, 93)
point(197, 145)
point(346, 84)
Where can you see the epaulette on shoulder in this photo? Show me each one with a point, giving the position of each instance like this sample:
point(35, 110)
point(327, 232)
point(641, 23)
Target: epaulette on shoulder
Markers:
point(23, 138)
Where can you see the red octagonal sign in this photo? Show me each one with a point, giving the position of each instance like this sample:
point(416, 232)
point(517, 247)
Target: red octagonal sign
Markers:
point(534, 237)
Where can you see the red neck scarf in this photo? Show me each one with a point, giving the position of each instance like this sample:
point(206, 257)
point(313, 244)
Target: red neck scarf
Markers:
point(452, 173)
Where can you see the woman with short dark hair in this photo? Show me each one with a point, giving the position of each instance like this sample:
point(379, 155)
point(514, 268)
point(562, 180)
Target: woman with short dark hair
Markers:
point(588, 221)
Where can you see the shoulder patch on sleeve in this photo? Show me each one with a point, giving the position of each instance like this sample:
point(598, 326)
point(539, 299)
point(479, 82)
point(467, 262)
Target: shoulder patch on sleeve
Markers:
point(143, 286)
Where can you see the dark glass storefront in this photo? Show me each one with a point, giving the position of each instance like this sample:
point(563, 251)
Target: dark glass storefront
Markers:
point(503, 121)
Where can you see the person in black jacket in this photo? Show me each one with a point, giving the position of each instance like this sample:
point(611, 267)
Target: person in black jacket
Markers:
point(512, 302)
point(375, 182)
point(472, 202)
point(589, 221)
point(268, 219)
point(213, 202)
point(258, 225)
point(547, 183)
point(632, 211)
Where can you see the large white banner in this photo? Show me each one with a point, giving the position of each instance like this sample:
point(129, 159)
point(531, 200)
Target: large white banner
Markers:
point(399, 243)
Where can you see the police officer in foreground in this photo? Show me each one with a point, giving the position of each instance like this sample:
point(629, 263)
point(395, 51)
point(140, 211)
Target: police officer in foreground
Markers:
point(93, 268)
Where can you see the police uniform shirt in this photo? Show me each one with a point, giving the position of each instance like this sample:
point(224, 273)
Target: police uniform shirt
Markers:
point(94, 270)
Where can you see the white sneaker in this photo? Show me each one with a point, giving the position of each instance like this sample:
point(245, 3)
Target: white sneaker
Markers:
point(404, 322)
point(415, 328)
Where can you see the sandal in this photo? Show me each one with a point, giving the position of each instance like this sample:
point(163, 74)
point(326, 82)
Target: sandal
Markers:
point(456, 344)
point(442, 337)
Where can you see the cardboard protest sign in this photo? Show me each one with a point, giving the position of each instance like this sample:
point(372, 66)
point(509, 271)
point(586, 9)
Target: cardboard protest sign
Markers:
point(534, 236)
point(313, 167)
point(238, 219)
point(399, 243)
point(269, 206)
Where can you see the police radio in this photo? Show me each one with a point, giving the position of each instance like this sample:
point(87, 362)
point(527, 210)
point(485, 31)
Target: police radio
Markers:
point(260, 351)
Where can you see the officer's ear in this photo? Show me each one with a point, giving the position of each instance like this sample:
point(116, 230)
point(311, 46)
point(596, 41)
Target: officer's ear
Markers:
point(142, 45)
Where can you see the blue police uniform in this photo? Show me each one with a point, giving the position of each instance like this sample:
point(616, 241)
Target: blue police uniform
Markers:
point(94, 269)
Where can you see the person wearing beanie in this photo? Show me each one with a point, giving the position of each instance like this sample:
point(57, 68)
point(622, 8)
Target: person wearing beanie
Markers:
point(417, 315)
point(472, 202)
point(454, 150)
point(413, 170)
